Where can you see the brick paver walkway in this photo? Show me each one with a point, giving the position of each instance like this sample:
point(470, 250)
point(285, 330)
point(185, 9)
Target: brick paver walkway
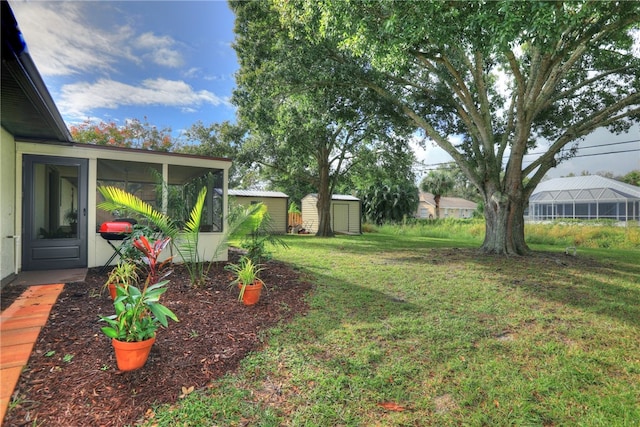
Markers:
point(20, 325)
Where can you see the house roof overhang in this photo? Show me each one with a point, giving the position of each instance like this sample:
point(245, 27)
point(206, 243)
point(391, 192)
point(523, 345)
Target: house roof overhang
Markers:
point(27, 109)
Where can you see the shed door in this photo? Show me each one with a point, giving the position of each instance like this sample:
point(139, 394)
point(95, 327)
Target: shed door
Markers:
point(54, 222)
point(340, 216)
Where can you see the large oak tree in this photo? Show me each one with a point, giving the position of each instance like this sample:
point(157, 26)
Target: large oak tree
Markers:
point(513, 78)
point(308, 120)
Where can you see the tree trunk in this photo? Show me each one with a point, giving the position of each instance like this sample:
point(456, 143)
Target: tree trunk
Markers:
point(436, 199)
point(324, 215)
point(504, 222)
point(324, 203)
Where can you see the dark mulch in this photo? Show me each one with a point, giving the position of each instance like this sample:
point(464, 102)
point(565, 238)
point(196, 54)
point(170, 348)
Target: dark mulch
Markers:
point(215, 332)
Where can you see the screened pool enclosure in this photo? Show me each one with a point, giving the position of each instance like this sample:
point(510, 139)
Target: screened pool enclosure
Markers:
point(585, 197)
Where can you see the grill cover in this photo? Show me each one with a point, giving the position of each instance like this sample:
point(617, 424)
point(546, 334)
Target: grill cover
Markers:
point(115, 230)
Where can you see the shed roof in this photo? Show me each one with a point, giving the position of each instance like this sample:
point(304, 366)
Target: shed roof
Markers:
point(343, 197)
point(584, 188)
point(257, 193)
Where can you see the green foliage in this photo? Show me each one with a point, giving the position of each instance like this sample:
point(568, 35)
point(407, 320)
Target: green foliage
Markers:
point(187, 237)
point(437, 182)
point(260, 234)
point(305, 136)
point(632, 178)
point(385, 203)
point(585, 234)
point(138, 312)
point(189, 242)
point(125, 273)
point(220, 140)
point(247, 274)
point(118, 199)
point(485, 81)
point(293, 208)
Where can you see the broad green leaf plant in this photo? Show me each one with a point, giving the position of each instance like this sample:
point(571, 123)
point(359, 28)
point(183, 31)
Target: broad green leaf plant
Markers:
point(186, 239)
point(138, 311)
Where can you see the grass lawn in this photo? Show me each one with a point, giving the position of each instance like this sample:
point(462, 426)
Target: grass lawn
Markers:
point(408, 330)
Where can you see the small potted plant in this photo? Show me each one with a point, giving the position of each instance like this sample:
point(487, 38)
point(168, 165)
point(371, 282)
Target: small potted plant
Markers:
point(246, 277)
point(139, 314)
point(71, 217)
point(125, 273)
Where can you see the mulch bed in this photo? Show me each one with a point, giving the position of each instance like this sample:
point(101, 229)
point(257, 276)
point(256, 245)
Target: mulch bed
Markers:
point(72, 378)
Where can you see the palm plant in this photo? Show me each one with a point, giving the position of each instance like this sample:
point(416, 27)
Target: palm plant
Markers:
point(189, 237)
point(185, 240)
point(260, 234)
point(247, 274)
point(438, 182)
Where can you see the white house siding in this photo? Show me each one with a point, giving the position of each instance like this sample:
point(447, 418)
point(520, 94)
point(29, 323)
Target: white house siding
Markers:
point(7, 203)
point(98, 250)
point(276, 207)
point(450, 207)
point(345, 214)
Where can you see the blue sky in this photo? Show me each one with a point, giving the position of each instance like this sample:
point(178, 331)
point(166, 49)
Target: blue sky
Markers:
point(172, 62)
point(167, 60)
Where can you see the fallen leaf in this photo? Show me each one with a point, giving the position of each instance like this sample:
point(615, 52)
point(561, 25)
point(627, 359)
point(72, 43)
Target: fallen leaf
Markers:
point(496, 403)
point(186, 391)
point(150, 414)
point(391, 406)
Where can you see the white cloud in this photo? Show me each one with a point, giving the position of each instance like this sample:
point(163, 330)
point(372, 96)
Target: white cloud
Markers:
point(151, 41)
point(192, 72)
point(79, 99)
point(166, 57)
point(68, 44)
point(161, 50)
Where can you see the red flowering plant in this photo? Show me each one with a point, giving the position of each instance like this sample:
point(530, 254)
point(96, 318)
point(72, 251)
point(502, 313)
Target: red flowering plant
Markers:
point(150, 255)
point(138, 311)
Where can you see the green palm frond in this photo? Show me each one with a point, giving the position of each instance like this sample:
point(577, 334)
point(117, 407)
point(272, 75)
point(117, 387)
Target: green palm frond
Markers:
point(195, 218)
point(116, 198)
point(246, 220)
point(188, 247)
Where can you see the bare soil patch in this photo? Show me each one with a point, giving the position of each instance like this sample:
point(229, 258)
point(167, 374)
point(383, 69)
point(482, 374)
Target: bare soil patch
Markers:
point(72, 378)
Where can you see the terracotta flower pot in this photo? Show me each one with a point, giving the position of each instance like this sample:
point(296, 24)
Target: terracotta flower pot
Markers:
point(251, 293)
point(132, 355)
point(112, 291)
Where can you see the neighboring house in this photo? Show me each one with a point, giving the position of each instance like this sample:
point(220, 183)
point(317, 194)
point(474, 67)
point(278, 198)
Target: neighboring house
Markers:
point(450, 207)
point(346, 214)
point(585, 197)
point(276, 202)
point(48, 184)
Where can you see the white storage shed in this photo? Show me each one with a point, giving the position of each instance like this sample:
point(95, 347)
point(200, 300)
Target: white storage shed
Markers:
point(346, 214)
point(277, 204)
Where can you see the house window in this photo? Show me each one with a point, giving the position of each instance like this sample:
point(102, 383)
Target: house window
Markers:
point(140, 179)
point(185, 184)
point(145, 181)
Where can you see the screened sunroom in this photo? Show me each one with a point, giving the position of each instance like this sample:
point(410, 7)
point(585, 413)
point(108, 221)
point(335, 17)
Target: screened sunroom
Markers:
point(60, 215)
point(585, 197)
